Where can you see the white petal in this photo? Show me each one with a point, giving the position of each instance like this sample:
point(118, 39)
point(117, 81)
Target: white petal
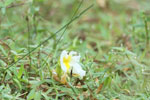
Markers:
point(75, 59)
point(63, 54)
point(77, 69)
point(72, 53)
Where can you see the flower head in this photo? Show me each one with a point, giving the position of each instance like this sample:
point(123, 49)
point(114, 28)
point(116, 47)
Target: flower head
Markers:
point(70, 61)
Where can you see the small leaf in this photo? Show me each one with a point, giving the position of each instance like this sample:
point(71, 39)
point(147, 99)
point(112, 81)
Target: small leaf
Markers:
point(107, 81)
point(31, 95)
point(2, 63)
point(18, 83)
point(118, 49)
point(45, 96)
point(37, 96)
point(3, 50)
point(21, 70)
point(58, 70)
point(9, 97)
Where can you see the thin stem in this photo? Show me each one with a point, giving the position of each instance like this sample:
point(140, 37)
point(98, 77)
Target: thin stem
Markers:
point(0, 21)
point(76, 11)
point(28, 27)
point(146, 30)
point(34, 24)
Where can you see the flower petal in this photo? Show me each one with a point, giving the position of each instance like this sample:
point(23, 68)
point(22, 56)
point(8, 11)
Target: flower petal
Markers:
point(63, 54)
point(71, 61)
point(72, 53)
point(76, 59)
point(77, 69)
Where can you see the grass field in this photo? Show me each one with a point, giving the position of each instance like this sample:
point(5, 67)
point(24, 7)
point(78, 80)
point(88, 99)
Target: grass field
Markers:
point(111, 36)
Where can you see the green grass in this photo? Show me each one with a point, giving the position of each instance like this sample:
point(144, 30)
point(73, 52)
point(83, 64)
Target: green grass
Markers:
point(113, 43)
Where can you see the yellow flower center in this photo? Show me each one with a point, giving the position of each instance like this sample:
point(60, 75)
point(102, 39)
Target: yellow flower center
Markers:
point(66, 62)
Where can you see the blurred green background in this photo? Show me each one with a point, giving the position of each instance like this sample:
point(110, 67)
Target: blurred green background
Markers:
point(112, 38)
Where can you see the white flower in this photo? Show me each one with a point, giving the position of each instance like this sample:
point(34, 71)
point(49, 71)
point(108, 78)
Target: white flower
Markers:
point(70, 61)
